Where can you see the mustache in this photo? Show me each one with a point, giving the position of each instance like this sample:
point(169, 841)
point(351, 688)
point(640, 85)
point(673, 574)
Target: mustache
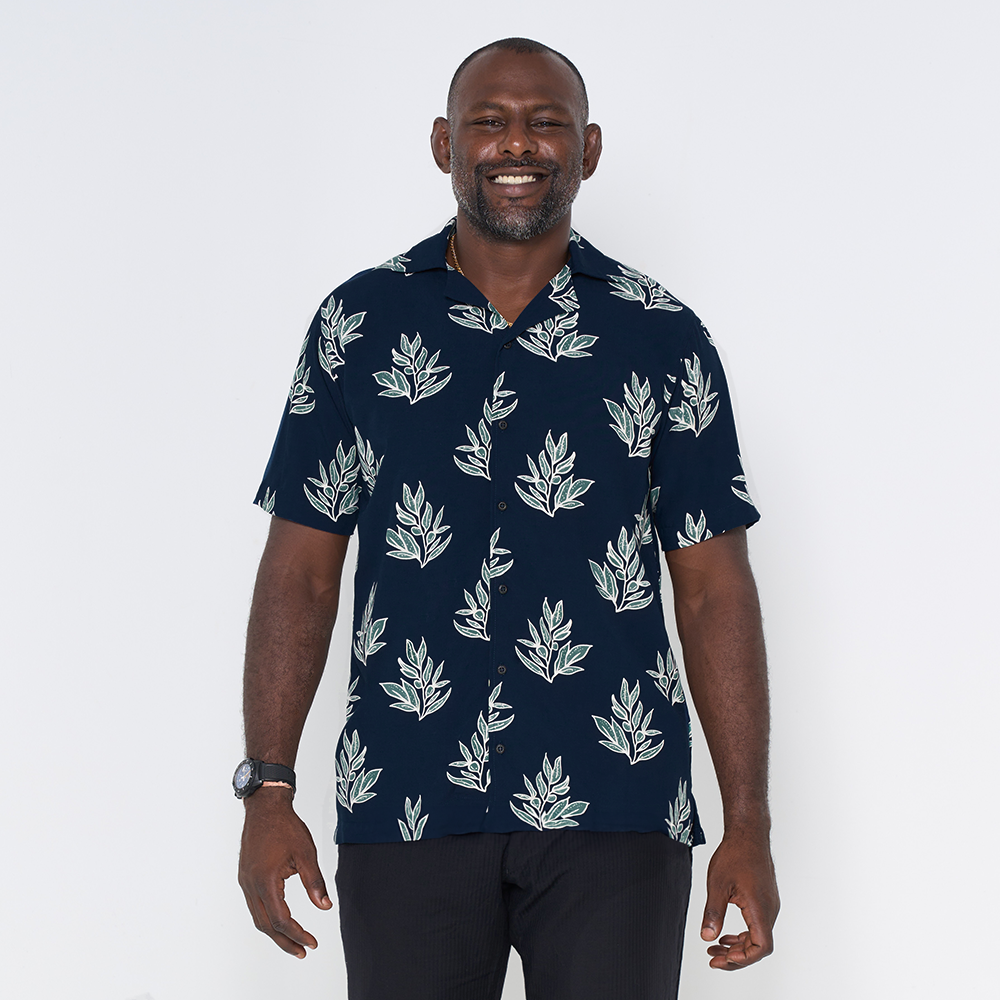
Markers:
point(548, 165)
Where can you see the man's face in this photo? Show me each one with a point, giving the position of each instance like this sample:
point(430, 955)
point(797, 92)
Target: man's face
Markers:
point(517, 143)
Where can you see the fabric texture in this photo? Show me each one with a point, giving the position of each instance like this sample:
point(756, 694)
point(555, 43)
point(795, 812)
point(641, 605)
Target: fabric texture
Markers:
point(592, 915)
point(510, 668)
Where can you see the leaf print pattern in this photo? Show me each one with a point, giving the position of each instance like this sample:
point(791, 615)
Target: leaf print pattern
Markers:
point(695, 412)
point(544, 644)
point(636, 422)
point(542, 807)
point(626, 569)
point(668, 678)
point(370, 465)
point(679, 822)
point(352, 698)
point(337, 492)
point(644, 522)
point(266, 502)
point(301, 390)
point(637, 287)
point(420, 534)
point(553, 465)
point(476, 318)
point(413, 828)
point(366, 638)
point(557, 338)
point(354, 783)
point(742, 492)
point(480, 445)
point(396, 263)
point(697, 531)
point(477, 606)
point(336, 332)
point(419, 376)
point(420, 688)
point(631, 736)
point(474, 772)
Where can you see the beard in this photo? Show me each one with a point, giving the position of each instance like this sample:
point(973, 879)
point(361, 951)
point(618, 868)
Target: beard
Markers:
point(514, 221)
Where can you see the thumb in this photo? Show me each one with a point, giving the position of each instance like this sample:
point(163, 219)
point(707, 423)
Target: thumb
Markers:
point(715, 913)
point(312, 880)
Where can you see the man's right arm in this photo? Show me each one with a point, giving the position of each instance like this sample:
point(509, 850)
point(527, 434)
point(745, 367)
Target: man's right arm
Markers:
point(291, 619)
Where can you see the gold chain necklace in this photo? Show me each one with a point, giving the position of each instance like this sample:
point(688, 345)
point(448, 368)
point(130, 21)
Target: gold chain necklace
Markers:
point(458, 267)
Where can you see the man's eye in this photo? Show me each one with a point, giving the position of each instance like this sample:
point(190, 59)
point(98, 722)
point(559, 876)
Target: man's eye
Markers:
point(546, 124)
point(489, 121)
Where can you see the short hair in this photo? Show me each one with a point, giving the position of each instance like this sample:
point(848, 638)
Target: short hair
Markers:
point(520, 46)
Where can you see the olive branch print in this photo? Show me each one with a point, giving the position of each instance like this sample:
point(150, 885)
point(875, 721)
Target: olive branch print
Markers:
point(557, 338)
point(396, 263)
point(480, 445)
point(354, 783)
point(476, 318)
point(420, 535)
point(631, 736)
point(336, 332)
point(422, 692)
point(742, 492)
point(544, 644)
point(644, 522)
point(366, 638)
point(266, 502)
point(543, 807)
point(553, 465)
point(352, 698)
point(477, 606)
point(708, 336)
point(370, 465)
point(697, 531)
point(474, 772)
point(679, 822)
point(301, 390)
point(637, 287)
point(635, 591)
point(413, 828)
point(337, 492)
point(695, 412)
point(419, 376)
point(636, 421)
point(668, 678)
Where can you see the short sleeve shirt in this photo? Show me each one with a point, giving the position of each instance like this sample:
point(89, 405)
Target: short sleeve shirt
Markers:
point(510, 667)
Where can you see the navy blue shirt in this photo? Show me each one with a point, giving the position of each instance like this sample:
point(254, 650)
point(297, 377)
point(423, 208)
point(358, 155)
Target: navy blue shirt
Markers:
point(510, 665)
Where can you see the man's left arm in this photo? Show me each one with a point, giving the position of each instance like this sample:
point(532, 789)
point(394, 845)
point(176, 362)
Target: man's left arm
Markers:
point(718, 619)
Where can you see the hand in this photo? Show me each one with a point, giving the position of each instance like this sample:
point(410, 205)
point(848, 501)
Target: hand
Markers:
point(276, 844)
point(741, 872)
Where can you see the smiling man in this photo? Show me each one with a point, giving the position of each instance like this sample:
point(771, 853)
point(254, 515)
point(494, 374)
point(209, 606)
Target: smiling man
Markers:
point(515, 424)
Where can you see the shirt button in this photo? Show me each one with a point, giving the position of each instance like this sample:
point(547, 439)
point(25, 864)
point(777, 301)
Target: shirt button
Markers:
point(501, 669)
point(502, 425)
point(508, 344)
point(502, 588)
point(501, 505)
point(500, 748)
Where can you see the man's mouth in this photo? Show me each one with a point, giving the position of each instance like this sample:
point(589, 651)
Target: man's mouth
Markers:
point(515, 179)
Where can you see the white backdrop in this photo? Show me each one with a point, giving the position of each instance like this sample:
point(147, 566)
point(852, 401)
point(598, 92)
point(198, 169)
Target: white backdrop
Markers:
point(183, 182)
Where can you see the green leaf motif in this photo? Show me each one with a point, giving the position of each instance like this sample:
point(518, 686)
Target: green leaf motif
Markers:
point(301, 390)
point(695, 411)
point(679, 822)
point(477, 606)
point(552, 471)
point(695, 531)
point(354, 783)
point(550, 651)
point(365, 639)
point(477, 318)
point(397, 263)
point(413, 828)
point(668, 678)
point(633, 736)
point(416, 375)
point(266, 502)
point(624, 582)
point(634, 286)
point(473, 771)
point(477, 460)
point(424, 694)
point(420, 535)
point(546, 804)
point(336, 332)
point(635, 422)
point(336, 491)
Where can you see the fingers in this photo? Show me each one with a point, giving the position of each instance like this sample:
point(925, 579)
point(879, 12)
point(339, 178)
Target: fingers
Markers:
point(314, 883)
point(715, 910)
point(263, 923)
point(737, 951)
point(279, 924)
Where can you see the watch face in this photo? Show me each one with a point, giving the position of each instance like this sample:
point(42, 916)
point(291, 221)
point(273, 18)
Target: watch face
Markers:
point(243, 775)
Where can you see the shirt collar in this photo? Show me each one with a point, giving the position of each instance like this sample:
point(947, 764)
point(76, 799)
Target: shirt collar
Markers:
point(429, 255)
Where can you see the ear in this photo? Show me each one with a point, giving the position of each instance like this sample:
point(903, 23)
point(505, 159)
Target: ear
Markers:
point(592, 147)
point(441, 144)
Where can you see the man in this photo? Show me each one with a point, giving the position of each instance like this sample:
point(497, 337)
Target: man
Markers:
point(515, 766)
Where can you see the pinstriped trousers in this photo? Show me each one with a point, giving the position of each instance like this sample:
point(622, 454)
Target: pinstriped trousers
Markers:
point(593, 915)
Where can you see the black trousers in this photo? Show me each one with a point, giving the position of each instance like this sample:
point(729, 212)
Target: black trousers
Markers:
point(594, 916)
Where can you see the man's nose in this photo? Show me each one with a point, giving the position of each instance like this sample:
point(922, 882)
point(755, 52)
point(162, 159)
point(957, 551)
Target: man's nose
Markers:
point(517, 141)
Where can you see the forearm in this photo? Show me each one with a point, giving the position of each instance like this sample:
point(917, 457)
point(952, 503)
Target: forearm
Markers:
point(288, 638)
point(722, 637)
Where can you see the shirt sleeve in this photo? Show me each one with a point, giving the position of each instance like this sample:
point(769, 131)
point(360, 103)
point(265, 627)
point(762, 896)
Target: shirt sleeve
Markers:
point(314, 476)
point(698, 487)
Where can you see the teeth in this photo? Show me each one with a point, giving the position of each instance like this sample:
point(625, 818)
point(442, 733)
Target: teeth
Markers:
point(515, 179)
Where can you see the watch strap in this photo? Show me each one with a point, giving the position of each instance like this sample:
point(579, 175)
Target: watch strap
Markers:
point(276, 772)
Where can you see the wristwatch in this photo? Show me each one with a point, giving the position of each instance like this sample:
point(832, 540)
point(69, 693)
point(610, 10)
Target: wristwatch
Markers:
point(251, 774)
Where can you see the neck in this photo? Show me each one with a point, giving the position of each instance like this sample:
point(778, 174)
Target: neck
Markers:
point(511, 272)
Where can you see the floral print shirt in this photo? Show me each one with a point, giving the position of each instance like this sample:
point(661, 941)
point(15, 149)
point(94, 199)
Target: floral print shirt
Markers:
point(509, 484)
